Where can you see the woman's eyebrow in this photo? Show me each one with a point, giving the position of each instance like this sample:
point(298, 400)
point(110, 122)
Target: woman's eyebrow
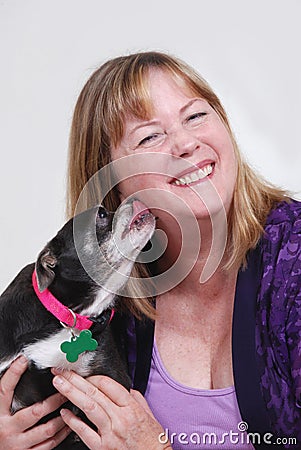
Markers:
point(191, 102)
point(148, 123)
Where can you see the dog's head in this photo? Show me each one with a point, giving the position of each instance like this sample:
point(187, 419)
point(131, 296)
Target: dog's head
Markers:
point(94, 250)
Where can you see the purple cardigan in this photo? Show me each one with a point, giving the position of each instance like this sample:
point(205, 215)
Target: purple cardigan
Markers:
point(278, 319)
point(266, 330)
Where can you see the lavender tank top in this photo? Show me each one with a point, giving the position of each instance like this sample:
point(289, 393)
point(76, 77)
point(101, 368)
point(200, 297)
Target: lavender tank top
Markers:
point(194, 418)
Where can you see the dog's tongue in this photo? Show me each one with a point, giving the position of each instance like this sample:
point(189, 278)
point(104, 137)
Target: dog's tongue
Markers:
point(139, 209)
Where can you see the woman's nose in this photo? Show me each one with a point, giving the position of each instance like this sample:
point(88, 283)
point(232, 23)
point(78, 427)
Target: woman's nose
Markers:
point(183, 143)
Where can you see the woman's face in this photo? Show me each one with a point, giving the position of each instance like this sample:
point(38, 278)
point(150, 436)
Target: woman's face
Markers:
point(191, 144)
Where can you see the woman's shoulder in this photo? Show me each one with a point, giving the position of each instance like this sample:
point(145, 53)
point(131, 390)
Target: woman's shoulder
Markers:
point(279, 317)
point(283, 225)
point(285, 212)
point(281, 245)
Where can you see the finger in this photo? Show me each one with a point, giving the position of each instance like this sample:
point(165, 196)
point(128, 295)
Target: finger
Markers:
point(27, 417)
point(117, 393)
point(90, 437)
point(89, 387)
point(91, 404)
point(8, 383)
point(142, 402)
point(40, 433)
point(101, 390)
point(55, 440)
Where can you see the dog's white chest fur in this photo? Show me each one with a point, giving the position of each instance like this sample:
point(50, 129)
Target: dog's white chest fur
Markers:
point(47, 353)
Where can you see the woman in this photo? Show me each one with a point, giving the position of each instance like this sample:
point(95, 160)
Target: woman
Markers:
point(222, 354)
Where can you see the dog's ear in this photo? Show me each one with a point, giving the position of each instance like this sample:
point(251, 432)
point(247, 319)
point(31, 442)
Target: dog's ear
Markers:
point(45, 263)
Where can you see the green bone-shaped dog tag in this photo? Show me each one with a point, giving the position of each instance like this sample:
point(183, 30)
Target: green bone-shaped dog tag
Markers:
point(78, 345)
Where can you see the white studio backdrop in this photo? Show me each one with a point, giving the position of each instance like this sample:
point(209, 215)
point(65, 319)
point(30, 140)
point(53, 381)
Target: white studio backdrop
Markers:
point(249, 51)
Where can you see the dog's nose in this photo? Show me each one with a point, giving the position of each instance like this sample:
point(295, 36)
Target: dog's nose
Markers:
point(139, 208)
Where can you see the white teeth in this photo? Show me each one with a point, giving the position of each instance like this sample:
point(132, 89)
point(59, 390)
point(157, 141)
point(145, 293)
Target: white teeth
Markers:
point(210, 168)
point(194, 176)
point(201, 174)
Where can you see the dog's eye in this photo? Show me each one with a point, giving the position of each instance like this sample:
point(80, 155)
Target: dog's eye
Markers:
point(102, 213)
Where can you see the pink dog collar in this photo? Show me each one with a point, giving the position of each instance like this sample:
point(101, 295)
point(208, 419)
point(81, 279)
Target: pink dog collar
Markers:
point(60, 311)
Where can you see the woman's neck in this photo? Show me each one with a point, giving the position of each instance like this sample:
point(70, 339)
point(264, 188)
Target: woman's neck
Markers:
point(195, 248)
point(203, 309)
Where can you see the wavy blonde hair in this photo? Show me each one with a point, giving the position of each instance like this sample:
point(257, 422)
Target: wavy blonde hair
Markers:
point(118, 89)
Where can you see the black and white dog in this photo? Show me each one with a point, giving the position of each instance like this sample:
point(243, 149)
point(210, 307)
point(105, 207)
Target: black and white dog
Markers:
point(57, 313)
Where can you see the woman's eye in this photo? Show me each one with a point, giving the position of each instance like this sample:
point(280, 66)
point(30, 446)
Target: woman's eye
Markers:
point(148, 140)
point(196, 116)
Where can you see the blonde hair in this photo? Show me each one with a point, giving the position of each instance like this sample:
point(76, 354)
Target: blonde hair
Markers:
point(118, 89)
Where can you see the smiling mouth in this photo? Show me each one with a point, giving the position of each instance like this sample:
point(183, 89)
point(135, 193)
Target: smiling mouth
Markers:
point(194, 177)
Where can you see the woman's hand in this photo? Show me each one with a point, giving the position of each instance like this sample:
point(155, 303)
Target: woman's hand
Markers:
point(17, 431)
point(123, 419)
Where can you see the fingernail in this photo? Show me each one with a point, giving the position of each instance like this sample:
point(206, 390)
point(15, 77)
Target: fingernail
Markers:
point(63, 412)
point(58, 381)
point(22, 360)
